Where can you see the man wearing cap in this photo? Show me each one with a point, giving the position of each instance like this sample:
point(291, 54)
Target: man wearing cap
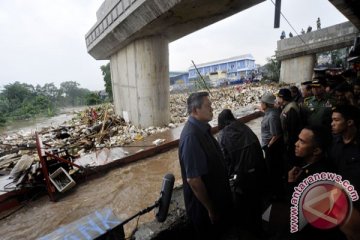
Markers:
point(306, 91)
point(318, 108)
point(272, 142)
point(290, 123)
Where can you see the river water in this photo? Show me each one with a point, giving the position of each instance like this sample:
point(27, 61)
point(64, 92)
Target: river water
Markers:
point(125, 190)
point(35, 124)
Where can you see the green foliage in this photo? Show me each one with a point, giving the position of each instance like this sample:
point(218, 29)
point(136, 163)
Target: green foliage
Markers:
point(272, 69)
point(70, 92)
point(4, 105)
point(2, 121)
point(107, 79)
point(17, 93)
point(93, 99)
point(335, 58)
point(24, 101)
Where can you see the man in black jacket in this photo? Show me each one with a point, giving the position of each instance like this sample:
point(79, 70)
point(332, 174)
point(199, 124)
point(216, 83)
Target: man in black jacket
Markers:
point(246, 166)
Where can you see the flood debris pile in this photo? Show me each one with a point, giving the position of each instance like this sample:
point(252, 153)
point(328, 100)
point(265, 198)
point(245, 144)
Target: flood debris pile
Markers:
point(17, 161)
point(98, 128)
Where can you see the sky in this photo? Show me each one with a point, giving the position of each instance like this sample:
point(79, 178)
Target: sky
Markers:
point(43, 41)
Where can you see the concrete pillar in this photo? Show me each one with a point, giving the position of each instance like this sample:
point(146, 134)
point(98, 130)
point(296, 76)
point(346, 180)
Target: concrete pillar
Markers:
point(140, 82)
point(297, 70)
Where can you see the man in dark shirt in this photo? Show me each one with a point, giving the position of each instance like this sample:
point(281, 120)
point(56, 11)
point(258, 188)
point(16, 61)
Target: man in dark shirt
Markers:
point(272, 144)
point(345, 154)
point(291, 125)
point(246, 165)
point(345, 150)
point(311, 148)
point(206, 186)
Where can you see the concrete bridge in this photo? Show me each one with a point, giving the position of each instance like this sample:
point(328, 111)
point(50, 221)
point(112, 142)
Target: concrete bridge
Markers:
point(297, 54)
point(134, 35)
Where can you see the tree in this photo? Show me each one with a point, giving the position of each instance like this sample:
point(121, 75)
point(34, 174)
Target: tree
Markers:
point(81, 96)
point(4, 109)
point(107, 79)
point(50, 90)
point(272, 69)
point(17, 93)
point(338, 57)
point(23, 101)
point(70, 89)
point(334, 58)
point(92, 99)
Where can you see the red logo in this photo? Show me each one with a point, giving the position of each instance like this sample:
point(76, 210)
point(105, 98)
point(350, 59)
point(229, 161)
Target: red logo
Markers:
point(325, 205)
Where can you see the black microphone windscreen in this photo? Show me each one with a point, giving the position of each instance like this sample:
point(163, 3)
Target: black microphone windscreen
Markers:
point(164, 201)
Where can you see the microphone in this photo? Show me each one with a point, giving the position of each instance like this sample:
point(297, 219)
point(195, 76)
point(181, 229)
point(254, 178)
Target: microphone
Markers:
point(165, 197)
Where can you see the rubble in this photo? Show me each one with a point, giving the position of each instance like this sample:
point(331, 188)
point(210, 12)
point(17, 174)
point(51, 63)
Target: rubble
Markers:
point(98, 128)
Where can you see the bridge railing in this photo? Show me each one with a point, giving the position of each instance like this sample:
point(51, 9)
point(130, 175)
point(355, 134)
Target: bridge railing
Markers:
point(115, 12)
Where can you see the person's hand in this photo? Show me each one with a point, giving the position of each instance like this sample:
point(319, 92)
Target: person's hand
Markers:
point(258, 107)
point(294, 174)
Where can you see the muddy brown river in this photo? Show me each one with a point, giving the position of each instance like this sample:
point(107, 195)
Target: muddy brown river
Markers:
point(125, 190)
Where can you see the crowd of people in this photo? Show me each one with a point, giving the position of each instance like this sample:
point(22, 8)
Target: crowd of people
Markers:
point(309, 29)
point(231, 180)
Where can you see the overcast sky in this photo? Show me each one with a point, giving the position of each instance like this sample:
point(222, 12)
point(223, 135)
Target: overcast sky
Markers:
point(42, 41)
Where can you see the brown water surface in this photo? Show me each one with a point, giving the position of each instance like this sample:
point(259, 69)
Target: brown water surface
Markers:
point(125, 190)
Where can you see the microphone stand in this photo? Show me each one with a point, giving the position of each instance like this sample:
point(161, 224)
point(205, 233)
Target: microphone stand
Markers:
point(146, 210)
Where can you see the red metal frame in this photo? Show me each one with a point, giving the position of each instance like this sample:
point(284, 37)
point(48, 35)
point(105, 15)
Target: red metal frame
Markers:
point(43, 156)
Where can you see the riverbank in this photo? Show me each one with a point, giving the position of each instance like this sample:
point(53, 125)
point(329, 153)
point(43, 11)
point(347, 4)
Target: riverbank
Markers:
point(125, 190)
point(37, 123)
point(235, 98)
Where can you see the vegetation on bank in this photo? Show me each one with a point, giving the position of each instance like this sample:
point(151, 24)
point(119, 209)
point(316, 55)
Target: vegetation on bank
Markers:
point(20, 101)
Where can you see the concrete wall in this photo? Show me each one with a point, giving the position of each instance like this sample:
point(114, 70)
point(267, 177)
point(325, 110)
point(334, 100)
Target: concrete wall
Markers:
point(140, 82)
point(297, 54)
point(326, 39)
point(297, 70)
point(134, 35)
point(105, 8)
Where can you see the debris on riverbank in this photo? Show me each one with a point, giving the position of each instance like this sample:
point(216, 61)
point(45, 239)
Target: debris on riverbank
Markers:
point(99, 128)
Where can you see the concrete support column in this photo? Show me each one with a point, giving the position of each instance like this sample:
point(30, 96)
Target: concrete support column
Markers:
point(297, 70)
point(140, 81)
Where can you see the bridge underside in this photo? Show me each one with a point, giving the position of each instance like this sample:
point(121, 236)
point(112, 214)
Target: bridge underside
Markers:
point(350, 9)
point(172, 19)
point(135, 34)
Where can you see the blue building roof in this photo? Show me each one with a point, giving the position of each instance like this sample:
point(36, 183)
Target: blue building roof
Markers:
point(227, 60)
